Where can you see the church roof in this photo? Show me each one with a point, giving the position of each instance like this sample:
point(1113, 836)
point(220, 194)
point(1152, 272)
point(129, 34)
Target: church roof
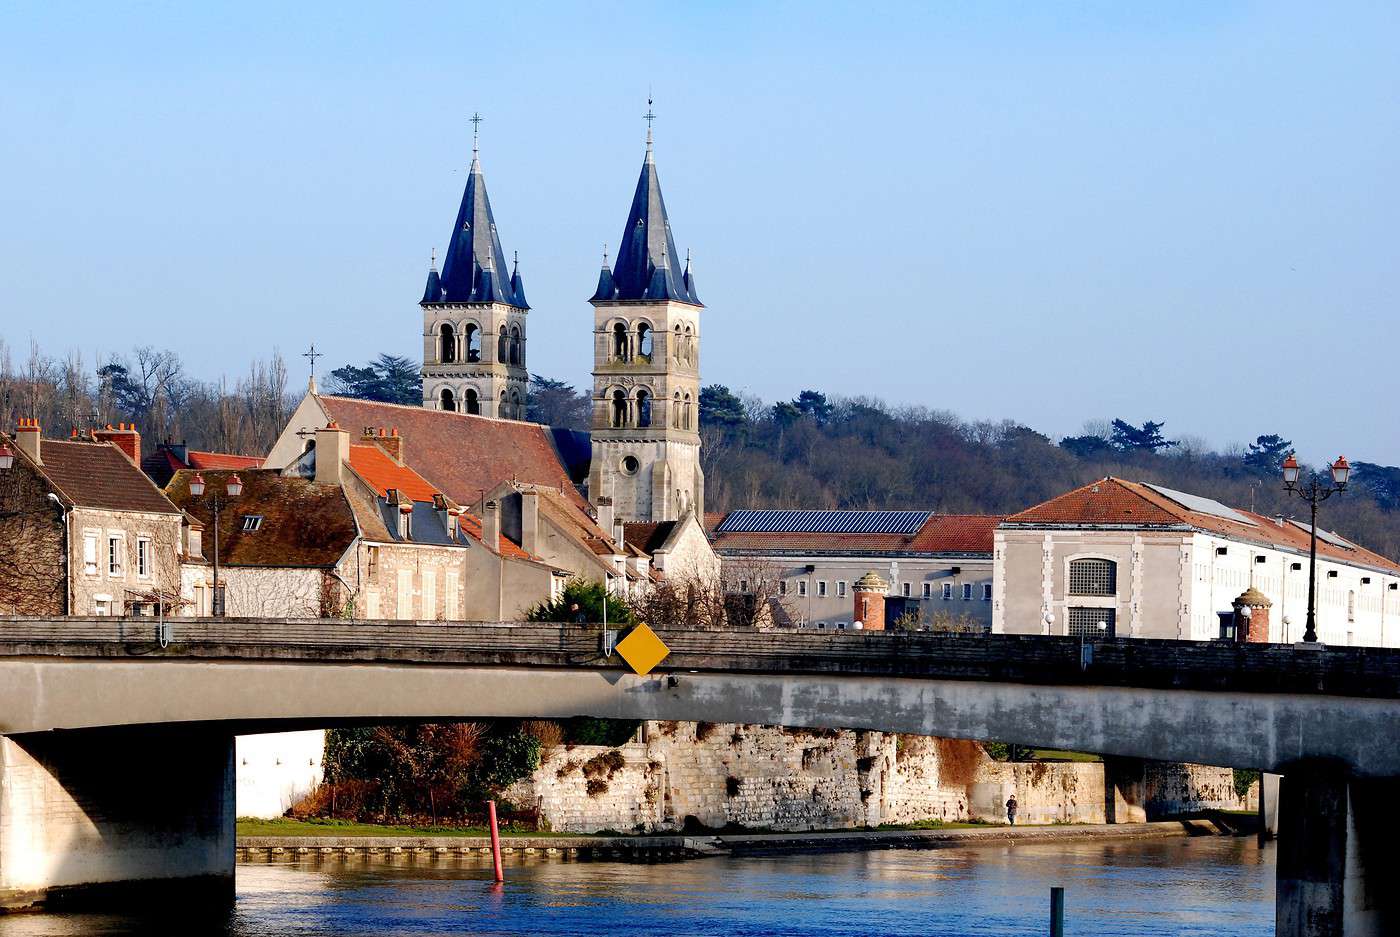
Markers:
point(647, 265)
point(474, 269)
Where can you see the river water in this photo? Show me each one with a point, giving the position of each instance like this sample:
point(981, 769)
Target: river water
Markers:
point(1210, 886)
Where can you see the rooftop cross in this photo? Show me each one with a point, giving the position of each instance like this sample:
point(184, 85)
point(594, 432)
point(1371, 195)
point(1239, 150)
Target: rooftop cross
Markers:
point(649, 116)
point(476, 120)
point(312, 355)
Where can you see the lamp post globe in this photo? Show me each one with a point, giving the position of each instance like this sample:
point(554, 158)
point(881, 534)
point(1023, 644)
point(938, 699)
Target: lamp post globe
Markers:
point(197, 485)
point(235, 486)
point(1341, 471)
point(1290, 471)
point(7, 457)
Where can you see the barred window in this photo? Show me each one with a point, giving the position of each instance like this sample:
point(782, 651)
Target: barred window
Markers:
point(1093, 577)
point(1085, 622)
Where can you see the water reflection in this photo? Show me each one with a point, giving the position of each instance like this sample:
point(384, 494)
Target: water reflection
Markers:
point(1182, 888)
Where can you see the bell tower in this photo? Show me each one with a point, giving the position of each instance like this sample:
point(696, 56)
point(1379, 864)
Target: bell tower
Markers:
point(646, 368)
point(474, 315)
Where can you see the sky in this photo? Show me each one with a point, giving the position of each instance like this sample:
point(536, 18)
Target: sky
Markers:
point(1181, 212)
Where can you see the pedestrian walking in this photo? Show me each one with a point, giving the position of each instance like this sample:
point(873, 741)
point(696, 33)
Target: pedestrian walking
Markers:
point(1011, 810)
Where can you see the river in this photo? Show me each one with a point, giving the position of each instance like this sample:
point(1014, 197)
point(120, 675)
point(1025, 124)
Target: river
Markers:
point(1180, 887)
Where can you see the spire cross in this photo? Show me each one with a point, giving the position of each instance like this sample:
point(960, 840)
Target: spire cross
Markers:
point(312, 355)
point(649, 117)
point(476, 120)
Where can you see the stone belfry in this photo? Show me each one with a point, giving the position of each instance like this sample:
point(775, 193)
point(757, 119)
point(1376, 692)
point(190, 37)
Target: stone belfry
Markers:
point(474, 315)
point(646, 369)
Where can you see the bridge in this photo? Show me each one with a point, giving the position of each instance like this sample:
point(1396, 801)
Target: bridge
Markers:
point(118, 770)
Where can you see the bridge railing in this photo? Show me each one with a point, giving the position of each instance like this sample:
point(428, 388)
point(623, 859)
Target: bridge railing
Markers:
point(1187, 665)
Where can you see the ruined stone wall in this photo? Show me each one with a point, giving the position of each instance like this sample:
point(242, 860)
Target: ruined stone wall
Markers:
point(718, 775)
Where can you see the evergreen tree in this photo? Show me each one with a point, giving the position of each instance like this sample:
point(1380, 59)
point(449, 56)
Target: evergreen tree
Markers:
point(556, 403)
point(814, 404)
point(719, 407)
point(1129, 438)
point(388, 378)
point(1266, 454)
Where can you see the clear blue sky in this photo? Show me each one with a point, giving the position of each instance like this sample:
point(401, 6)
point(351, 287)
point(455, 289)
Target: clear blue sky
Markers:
point(1183, 212)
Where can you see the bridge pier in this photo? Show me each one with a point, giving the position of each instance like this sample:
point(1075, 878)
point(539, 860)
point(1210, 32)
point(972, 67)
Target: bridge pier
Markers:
point(111, 815)
point(1336, 853)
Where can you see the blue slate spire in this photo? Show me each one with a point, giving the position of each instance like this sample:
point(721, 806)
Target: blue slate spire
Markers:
point(607, 289)
point(647, 264)
point(474, 269)
point(432, 292)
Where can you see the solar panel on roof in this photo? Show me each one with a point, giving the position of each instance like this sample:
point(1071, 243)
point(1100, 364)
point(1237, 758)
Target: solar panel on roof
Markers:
point(824, 522)
point(1326, 535)
point(1203, 505)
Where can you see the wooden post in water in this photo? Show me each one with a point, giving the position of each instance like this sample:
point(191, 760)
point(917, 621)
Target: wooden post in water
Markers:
point(1057, 912)
point(495, 840)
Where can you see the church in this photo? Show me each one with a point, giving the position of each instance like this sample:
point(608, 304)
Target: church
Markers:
point(645, 436)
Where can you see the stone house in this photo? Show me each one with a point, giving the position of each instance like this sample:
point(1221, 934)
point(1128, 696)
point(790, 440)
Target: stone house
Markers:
point(87, 533)
point(1147, 561)
point(937, 567)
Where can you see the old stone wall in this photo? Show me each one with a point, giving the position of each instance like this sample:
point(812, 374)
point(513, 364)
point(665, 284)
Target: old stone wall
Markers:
point(718, 775)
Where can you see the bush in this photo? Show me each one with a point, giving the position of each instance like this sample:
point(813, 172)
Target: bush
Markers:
point(703, 730)
point(608, 763)
point(586, 730)
point(596, 787)
point(1244, 780)
point(583, 601)
point(504, 760)
point(550, 735)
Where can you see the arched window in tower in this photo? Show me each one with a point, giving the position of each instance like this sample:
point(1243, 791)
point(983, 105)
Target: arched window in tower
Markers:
point(676, 410)
point(643, 408)
point(473, 343)
point(446, 399)
point(676, 344)
point(644, 341)
point(619, 408)
point(473, 402)
point(516, 352)
point(686, 423)
point(619, 342)
point(501, 407)
point(447, 344)
point(689, 346)
point(517, 411)
point(502, 347)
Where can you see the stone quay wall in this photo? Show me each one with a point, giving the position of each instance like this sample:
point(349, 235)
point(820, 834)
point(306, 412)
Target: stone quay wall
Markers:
point(717, 775)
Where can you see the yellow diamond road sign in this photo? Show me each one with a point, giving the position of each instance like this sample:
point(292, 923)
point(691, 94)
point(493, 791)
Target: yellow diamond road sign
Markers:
point(643, 650)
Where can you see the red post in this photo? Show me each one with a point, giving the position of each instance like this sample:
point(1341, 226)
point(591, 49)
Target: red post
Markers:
point(495, 840)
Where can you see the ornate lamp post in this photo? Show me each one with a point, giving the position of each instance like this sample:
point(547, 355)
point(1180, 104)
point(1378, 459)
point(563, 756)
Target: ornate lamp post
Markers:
point(7, 457)
point(1314, 492)
point(233, 488)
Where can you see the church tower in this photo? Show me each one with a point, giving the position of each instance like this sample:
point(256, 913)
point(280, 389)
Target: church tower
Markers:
point(646, 369)
point(474, 316)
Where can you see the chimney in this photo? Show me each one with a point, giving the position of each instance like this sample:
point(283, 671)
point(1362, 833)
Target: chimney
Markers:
point(124, 437)
point(491, 525)
point(529, 520)
point(332, 452)
point(391, 442)
point(27, 438)
point(870, 592)
point(605, 513)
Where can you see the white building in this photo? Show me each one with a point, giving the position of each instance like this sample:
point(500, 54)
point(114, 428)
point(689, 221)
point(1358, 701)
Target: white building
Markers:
point(1150, 562)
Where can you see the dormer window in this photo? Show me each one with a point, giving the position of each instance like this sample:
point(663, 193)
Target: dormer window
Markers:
point(251, 522)
point(405, 521)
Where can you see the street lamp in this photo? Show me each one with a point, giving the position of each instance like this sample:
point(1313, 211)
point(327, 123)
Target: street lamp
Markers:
point(1314, 492)
point(7, 457)
point(233, 488)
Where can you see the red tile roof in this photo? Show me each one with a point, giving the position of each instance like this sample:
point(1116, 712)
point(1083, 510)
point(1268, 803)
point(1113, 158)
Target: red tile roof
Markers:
point(1122, 503)
point(941, 533)
point(460, 453)
point(99, 475)
point(219, 461)
point(376, 467)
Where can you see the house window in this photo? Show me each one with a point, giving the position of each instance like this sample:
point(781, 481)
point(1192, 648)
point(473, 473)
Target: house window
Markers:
point(906, 589)
point(116, 555)
point(1093, 577)
point(802, 587)
point(372, 559)
point(403, 608)
point(102, 605)
point(782, 587)
point(252, 522)
point(821, 588)
point(143, 557)
point(928, 590)
point(947, 591)
point(1085, 622)
point(986, 592)
point(841, 587)
point(840, 626)
point(967, 592)
point(90, 554)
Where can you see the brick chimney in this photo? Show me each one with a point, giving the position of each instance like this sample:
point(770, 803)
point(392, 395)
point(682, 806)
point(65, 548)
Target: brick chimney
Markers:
point(491, 525)
point(870, 592)
point(27, 439)
point(1255, 628)
point(332, 452)
point(391, 442)
point(124, 437)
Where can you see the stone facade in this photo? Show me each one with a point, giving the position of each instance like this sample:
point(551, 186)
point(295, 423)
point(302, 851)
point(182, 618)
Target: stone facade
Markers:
point(717, 775)
point(474, 359)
